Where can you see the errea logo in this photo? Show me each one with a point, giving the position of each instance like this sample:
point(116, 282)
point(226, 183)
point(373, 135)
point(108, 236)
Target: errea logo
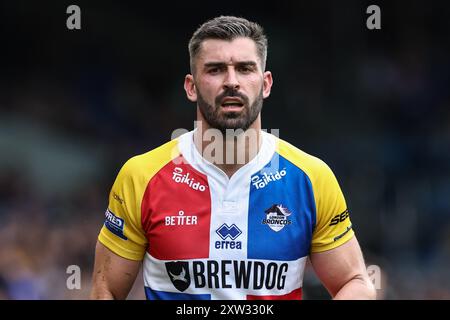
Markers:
point(228, 234)
point(179, 177)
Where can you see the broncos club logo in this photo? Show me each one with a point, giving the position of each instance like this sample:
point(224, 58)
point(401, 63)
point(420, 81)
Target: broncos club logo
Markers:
point(277, 217)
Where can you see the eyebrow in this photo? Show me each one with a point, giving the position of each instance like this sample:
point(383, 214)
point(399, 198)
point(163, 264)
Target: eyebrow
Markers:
point(223, 64)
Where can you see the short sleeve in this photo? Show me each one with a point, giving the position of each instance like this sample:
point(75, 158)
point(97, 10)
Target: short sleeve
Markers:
point(122, 230)
point(333, 226)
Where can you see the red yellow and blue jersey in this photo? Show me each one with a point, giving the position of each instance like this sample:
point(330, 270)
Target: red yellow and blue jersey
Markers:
point(203, 235)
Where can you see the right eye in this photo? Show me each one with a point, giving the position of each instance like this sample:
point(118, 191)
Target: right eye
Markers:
point(213, 70)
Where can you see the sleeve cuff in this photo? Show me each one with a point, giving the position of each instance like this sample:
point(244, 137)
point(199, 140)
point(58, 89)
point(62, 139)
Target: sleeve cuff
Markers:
point(115, 247)
point(346, 237)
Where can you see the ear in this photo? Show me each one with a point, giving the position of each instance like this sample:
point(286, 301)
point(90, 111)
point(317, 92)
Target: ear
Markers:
point(189, 87)
point(267, 83)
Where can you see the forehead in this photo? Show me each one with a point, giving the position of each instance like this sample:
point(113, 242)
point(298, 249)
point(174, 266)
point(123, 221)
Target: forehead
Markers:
point(239, 49)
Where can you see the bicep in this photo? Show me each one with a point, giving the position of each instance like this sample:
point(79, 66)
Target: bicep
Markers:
point(340, 265)
point(113, 275)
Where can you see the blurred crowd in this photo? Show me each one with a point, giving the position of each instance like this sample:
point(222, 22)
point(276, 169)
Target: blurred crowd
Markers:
point(75, 107)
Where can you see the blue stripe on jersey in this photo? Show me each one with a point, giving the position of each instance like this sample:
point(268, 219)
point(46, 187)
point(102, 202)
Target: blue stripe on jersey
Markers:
point(164, 295)
point(284, 232)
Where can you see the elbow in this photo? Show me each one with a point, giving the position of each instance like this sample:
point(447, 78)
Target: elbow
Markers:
point(371, 291)
point(368, 291)
point(99, 293)
point(357, 288)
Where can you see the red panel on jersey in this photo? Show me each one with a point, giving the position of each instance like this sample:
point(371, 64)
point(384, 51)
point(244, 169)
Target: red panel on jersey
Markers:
point(293, 295)
point(179, 227)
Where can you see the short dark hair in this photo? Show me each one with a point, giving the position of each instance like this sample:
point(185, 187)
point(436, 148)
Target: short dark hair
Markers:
point(228, 28)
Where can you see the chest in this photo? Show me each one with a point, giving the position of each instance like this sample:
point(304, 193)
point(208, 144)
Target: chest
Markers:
point(268, 214)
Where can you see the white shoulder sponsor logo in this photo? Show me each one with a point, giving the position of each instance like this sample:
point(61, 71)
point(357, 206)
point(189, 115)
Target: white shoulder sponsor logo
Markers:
point(262, 180)
point(179, 177)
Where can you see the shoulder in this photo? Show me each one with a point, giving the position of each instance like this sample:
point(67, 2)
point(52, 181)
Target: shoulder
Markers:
point(312, 166)
point(145, 165)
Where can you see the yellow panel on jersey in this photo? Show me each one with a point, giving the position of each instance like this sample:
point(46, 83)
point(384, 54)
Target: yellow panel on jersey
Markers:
point(122, 232)
point(333, 226)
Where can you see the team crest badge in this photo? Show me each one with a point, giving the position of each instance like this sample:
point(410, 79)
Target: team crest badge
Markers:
point(277, 217)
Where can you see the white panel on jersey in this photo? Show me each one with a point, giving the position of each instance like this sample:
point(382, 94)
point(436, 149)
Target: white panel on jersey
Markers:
point(262, 277)
point(229, 197)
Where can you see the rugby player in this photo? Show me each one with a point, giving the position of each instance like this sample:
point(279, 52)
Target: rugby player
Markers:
point(236, 223)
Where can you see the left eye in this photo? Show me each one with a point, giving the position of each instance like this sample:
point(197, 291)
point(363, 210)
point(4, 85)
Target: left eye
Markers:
point(244, 69)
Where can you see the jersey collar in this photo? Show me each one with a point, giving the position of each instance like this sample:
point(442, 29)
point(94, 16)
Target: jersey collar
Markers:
point(196, 160)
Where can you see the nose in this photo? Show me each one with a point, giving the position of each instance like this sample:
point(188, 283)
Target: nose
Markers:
point(231, 80)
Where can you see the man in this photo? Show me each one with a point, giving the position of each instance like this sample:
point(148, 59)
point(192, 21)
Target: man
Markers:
point(220, 216)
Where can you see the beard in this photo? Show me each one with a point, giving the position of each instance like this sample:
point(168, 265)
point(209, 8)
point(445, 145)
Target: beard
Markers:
point(242, 119)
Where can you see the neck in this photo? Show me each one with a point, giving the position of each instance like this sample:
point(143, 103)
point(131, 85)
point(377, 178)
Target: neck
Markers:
point(231, 151)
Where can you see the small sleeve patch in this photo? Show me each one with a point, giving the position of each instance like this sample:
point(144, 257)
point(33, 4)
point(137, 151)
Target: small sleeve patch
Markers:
point(115, 224)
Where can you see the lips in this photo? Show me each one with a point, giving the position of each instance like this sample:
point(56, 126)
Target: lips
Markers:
point(232, 102)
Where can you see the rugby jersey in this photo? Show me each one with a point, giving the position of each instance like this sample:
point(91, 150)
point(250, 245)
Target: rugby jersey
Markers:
point(203, 235)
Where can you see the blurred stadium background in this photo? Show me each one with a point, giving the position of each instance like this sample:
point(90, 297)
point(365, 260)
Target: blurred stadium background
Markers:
point(75, 105)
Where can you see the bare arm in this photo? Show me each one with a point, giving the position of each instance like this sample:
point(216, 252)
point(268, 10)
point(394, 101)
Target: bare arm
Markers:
point(113, 275)
point(343, 272)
